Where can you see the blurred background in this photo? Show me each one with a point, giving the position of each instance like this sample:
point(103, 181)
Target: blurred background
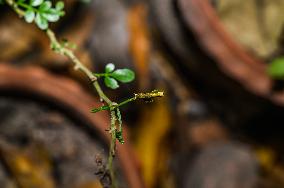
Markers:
point(220, 124)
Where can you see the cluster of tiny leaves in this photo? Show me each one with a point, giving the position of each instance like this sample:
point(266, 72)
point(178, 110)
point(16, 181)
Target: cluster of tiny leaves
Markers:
point(276, 68)
point(41, 11)
point(112, 76)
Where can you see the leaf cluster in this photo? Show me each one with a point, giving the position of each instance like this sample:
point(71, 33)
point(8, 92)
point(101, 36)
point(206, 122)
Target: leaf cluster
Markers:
point(41, 12)
point(112, 76)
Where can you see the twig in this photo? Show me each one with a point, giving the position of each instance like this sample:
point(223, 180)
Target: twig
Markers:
point(148, 97)
point(112, 148)
point(78, 65)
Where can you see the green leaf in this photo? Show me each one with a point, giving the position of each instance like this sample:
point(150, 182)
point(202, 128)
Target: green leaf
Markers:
point(29, 16)
point(59, 5)
point(51, 17)
point(45, 6)
point(61, 13)
point(109, 67)
point(41, 22)
point(276, 68)
point(123, 75)
point(36, 3)
point(111, 83)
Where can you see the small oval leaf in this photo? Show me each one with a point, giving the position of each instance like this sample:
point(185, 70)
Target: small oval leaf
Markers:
point(59, 5)
point(41, 22)
point(29, 16)
point(45, 6)
point(51, 17)
point(123, 75)
point(109, 67)
point(111, 83)
point(36, 3)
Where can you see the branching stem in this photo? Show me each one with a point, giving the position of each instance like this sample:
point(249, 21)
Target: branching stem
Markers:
point(148, 97)
point(78, 65)
point(115, 129)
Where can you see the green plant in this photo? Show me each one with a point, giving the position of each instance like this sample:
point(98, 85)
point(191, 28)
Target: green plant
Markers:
point(111, 76)
point(42, 12)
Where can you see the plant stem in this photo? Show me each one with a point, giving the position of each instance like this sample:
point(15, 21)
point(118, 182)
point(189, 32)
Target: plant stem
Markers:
point(14, 5)
point(146, 96)
point(101, 74)
point(111, 154)
point(126, 101)
point(106, 107)
point(78, 65)
point(26, 6)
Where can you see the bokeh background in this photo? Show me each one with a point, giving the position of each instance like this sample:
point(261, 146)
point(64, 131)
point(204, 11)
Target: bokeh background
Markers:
point(220, 124)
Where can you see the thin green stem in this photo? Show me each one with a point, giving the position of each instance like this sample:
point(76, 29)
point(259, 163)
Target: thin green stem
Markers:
point(112, 147)
point(78, 65)
point(57, 47)
point(101, 74)
point(126, 101)
point(26, 6)
point(101, 93)
point(148, 97)
point(107, 107)
point(14, 6)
